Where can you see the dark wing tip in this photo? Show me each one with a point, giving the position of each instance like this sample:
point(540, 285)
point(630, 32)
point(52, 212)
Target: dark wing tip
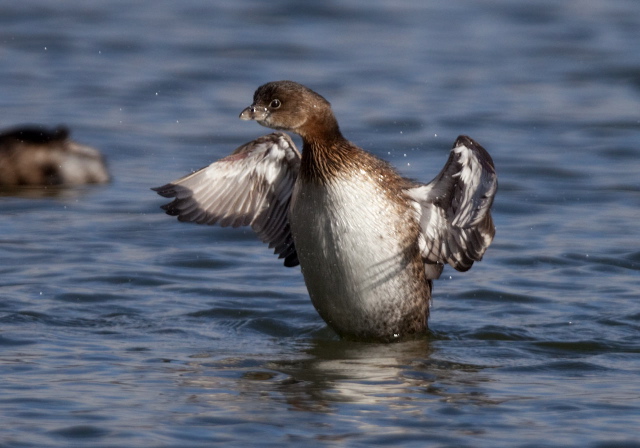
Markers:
point(465, 140)
point(291, 261)
point(166, 191)
point(171, 209)
point(482, 154)
point(169, 191)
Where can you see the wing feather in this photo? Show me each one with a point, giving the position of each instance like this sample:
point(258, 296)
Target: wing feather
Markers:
point(455, 209)
point(252, 186)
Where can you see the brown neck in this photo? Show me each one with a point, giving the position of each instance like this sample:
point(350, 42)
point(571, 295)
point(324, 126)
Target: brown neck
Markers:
point(323, 160)
point(322, 130)
point(325, 151)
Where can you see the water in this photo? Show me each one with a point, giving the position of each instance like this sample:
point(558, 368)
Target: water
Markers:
point(120, 326)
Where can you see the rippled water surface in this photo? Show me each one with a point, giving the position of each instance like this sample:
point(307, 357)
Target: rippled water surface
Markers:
point(120, 326)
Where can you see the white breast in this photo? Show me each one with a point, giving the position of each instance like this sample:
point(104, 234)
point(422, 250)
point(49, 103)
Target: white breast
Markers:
point(352, 250)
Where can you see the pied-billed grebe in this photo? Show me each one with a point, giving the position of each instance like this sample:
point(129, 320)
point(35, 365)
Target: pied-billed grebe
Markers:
point(368, 241)
point(35, 155)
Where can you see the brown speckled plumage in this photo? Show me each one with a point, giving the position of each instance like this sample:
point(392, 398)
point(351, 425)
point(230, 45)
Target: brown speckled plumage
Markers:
point(369, 242)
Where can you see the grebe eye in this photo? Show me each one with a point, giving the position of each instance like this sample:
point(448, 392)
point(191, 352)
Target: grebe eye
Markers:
point(275, 104)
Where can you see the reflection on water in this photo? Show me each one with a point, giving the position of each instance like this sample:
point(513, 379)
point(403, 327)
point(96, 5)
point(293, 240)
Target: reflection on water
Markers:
point(329, 372)
point(337, 372)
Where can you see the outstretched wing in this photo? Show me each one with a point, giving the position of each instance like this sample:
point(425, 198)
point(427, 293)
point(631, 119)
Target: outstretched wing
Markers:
point(455, 208)
point(250, 187)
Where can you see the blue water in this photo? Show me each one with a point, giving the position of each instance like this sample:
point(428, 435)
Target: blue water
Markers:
point(120, 326)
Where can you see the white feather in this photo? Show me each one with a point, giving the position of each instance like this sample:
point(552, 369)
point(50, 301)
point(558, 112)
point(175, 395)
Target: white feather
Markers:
point(346, 235)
